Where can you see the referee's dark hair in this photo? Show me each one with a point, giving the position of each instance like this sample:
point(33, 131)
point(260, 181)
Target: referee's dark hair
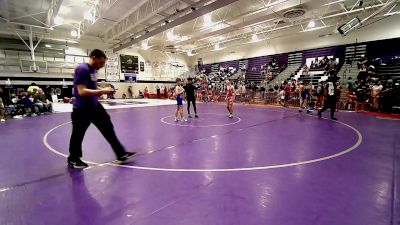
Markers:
point(97, 53)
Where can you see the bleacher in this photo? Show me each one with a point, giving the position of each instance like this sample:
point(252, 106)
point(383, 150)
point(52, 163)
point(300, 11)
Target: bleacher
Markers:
point(386, 72)
point(256, 67)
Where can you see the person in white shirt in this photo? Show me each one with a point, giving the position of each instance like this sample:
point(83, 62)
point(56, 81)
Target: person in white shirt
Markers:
point(375, 94)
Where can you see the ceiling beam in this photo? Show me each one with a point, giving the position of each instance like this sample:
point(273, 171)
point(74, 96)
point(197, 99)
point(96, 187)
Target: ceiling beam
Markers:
point(53, 11)
point(181, 20)
point(189, 2)
point(145, 12)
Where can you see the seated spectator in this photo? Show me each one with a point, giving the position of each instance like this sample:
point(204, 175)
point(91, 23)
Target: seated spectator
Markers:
point(312, 66)
point(306, 70)
point(270, 89)
point(269, 75)
point(273, 63)
point(141, 95)
point(25, 105)
point(316, 62)
point(41, 102)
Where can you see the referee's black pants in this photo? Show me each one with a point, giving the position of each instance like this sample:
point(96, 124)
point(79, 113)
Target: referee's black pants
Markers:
point(331, 104)
point(81, 119)
point(193, 101)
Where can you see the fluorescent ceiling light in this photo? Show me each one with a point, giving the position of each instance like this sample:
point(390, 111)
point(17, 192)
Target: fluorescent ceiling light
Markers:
point(334, 2)
point(47, 46)
point(254, 37)
point(170, 35)
point(207, 20)
point(88, 15)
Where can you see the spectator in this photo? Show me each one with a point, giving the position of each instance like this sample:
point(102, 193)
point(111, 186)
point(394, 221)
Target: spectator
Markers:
point(123, 96)
point(388, 97)
point(130, 92)
point(305, 70)
point(320, 94)
point(141, 95)
point(32, 89)
point(165, 92)
point(2, 117)
point(26, 105)
point(146, 93)
point(331, 67)
point(312, 65)
point(362, 96)
point(351, 84)
point(158, 90)
point(41, 102)
point(375, 95)
point(287, 93)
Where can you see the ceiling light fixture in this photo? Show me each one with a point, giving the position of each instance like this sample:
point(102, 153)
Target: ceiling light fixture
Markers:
point(47, 46)
point(88, 15)
point(74, 33)
point(170, 35)
point(311, 24)
point(254, 37)
point(58, 20)
point(207, 20)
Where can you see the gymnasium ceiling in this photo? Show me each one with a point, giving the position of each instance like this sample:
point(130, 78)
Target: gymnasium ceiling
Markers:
point(184, 26)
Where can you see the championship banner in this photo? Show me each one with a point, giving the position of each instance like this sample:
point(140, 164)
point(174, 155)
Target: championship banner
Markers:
point(112, 67)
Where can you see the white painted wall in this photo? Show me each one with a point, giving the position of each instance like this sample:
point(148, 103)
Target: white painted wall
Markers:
point(122, 87)
point(384, 29)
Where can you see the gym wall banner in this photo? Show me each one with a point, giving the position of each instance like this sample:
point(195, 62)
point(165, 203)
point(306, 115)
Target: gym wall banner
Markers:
point(129, 64)
point(130, 77)
point(112, 67)
point(141, 66)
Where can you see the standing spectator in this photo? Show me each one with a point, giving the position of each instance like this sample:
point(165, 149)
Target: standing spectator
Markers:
point(332, 67)
point(351, 84)
point(32, 89)
point(158, 91)
point(287, 93)
point(2, 117)
point(146, 93)
point(320, 95)
point(375, 95)
point(388, 97)
point(165, 92)
point(130, 92)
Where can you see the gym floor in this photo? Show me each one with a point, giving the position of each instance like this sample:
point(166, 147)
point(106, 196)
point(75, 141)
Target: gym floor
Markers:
point(267, 165)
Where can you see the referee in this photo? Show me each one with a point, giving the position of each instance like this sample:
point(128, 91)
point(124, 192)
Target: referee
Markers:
point(87, 110)
point(191, 97)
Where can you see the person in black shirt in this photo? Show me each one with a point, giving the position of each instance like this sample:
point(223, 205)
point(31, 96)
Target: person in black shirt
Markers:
point(191, 97)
